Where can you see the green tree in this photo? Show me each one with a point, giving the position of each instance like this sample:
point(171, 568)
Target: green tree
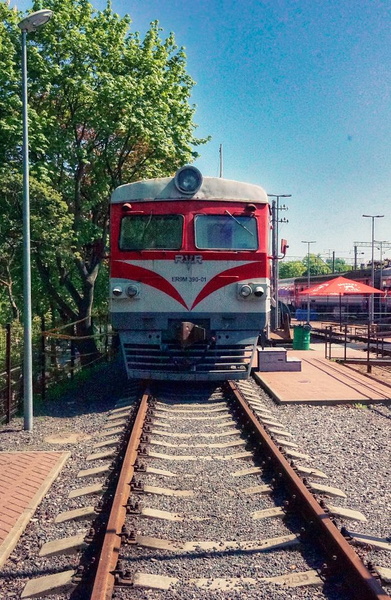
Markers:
point(340, 265)
point(293, 268)
point(105, 108)
point(317, 265)
point(51, 228)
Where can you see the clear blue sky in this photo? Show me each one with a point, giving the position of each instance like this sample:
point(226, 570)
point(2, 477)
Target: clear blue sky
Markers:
point(298, 92)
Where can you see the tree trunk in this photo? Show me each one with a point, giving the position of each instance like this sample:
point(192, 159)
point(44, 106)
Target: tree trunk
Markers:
point(85, 341)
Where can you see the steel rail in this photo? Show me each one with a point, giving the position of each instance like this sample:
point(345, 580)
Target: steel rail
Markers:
point(343, 557)
point(104, 577)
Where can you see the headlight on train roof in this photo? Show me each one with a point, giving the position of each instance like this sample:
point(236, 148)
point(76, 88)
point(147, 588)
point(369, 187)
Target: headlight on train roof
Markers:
point(245, 291)
point(188, 180)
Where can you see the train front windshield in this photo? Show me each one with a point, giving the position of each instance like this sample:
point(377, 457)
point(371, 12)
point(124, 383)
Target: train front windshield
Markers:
point(226, 232)
point(149, 232)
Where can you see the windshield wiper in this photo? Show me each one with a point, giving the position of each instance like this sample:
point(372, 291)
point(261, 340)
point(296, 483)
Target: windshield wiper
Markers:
point(239, 223)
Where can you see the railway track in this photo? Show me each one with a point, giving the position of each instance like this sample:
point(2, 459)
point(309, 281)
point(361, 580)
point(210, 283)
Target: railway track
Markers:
point(206, 495)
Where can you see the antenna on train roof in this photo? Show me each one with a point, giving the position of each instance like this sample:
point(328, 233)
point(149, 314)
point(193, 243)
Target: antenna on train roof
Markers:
point(221, 160)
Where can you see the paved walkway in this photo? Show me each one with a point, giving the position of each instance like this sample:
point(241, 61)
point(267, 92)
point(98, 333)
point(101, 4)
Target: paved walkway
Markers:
point(322, 381)
point(25, 478)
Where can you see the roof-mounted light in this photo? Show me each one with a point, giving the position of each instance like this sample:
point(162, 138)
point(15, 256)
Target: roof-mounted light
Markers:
point(188, 180)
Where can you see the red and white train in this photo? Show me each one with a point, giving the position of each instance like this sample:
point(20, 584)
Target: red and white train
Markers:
point(189, 275)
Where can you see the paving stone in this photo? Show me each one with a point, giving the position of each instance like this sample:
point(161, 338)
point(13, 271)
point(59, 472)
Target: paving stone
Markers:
point(25, 479)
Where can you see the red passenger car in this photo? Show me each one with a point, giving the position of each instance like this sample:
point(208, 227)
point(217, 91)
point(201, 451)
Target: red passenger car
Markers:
point(189, 275)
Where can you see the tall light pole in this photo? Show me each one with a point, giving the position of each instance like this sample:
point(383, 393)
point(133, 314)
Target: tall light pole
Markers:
point(29, 24)
point(275, 265)
point(308, 277)
point(381, 245)
point(372, 297)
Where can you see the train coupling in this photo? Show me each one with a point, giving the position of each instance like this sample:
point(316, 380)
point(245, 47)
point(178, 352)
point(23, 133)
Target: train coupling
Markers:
point(190, 333)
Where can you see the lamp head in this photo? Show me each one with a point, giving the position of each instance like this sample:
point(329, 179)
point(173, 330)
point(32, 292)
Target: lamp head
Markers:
point(35, 20)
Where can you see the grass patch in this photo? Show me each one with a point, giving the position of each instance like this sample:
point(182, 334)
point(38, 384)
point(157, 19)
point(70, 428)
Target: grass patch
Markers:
point(68, 385)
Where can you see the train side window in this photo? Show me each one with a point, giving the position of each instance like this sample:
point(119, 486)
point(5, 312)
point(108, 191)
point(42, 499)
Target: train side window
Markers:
point(151, 232)
point(225, 232)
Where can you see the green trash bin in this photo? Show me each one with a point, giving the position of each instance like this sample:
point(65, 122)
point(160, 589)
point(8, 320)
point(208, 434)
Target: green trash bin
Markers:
point(301, 337)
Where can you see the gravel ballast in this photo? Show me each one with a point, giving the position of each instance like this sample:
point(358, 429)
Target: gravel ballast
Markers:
point(350, 444)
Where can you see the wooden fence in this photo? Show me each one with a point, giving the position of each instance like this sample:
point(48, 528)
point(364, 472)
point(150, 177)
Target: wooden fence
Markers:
point(55, 359)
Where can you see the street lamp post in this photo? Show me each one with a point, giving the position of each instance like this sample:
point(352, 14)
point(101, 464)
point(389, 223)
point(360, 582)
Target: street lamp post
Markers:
point(372, 297)
point(308, 278)
point(29, 24)
point(275, 265)
point(381, 246)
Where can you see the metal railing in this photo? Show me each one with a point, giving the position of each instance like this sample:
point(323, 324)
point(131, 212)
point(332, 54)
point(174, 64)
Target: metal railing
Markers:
point(56, 358)
point(374, 340)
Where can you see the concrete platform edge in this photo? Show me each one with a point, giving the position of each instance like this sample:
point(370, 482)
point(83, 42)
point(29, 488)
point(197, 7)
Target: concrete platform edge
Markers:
point(325, 402)
point(13, 537)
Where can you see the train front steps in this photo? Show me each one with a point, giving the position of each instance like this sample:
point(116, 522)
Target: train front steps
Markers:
point(276, 359)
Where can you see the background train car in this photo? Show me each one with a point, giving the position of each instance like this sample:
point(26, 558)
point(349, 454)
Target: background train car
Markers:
point(189, 275)
point(328, 307)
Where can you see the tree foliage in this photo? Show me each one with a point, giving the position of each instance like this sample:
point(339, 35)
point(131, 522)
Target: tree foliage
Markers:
point(299, 268)
point(291, 268)
point(340, 265)
point(105, 108)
